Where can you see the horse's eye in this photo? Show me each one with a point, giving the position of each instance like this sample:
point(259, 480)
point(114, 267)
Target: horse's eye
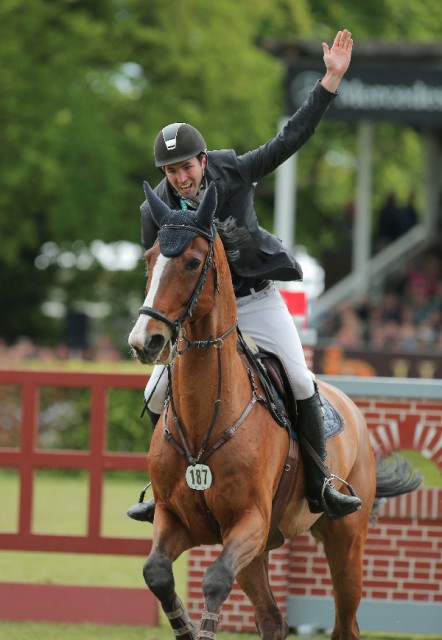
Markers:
point(192, 264)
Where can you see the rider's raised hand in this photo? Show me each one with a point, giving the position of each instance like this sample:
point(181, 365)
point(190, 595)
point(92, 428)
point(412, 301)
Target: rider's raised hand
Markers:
point(337, 59)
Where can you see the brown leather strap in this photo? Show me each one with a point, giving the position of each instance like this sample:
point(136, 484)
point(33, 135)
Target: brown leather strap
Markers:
point(286, 483)
point(314, 457)
point(210, 517)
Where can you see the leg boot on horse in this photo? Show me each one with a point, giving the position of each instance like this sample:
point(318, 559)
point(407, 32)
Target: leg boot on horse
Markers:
point(321, 494)
point(145, 511)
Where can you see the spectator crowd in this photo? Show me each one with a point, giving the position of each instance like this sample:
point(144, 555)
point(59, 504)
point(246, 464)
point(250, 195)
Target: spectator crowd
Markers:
point(405, 316)
point(25, 349)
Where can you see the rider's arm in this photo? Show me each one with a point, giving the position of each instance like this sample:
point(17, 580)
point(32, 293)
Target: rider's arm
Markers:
point(301, 126)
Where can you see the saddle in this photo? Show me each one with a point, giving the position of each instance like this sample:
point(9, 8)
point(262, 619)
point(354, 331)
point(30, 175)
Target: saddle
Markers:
point(279, 396)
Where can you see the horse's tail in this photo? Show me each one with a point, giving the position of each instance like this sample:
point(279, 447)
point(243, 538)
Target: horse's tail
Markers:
point(395, 476)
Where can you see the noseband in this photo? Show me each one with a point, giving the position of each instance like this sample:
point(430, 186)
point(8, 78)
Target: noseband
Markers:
point(175, 325)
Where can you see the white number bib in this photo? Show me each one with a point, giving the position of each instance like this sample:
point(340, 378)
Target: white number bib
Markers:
point(199, 476)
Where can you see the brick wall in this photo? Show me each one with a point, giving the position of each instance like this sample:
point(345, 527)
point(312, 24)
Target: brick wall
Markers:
point(403, 555)
point(402, 559)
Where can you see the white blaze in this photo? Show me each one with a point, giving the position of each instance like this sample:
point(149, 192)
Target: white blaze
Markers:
point(137, 335)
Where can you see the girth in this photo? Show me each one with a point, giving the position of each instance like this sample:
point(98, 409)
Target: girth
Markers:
point(283, 495)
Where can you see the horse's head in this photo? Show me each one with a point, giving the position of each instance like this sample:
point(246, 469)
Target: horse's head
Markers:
point(178, 266)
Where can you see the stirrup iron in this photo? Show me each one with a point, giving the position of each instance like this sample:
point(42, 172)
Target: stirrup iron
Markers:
point(328, 481)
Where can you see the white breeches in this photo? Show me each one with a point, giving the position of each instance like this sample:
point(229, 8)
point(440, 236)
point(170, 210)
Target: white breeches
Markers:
point(265, 318)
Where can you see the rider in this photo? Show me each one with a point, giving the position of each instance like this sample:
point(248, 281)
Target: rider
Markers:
point(255, 257)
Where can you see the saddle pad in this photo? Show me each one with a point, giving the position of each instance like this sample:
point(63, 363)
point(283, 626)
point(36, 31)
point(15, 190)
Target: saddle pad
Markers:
point(333, 421)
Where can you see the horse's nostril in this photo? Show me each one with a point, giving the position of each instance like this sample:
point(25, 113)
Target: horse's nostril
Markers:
point(156, 343)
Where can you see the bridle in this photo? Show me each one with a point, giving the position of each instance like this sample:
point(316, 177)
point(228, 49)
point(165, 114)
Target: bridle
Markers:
point(176, 325)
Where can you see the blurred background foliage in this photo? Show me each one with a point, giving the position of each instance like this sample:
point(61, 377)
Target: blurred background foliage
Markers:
point(86, 85)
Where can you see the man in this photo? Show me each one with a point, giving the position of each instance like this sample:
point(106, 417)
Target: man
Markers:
point(256, 258)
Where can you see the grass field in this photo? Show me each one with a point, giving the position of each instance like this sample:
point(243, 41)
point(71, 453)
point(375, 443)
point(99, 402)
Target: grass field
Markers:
point(42, 631)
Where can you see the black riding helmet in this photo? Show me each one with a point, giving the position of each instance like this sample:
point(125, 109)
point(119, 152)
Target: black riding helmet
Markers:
point(177, 142)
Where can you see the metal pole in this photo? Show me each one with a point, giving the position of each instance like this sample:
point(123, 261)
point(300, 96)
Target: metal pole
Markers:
point(285, 200)
point(432, 180)
point(362, 224)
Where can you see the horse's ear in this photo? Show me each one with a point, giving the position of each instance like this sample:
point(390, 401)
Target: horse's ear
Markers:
point(157, 207)
point(207, 208)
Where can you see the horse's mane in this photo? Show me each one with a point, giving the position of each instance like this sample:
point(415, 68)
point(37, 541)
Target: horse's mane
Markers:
point(233, 237)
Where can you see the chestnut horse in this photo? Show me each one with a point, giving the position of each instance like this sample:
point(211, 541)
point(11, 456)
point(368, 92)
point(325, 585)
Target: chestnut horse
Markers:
point(217, 455)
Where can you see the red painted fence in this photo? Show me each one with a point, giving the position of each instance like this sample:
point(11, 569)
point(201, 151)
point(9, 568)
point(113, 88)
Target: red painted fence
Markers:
point(71, 603)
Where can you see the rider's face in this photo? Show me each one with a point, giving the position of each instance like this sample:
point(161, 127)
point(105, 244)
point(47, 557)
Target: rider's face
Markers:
point(186, 176)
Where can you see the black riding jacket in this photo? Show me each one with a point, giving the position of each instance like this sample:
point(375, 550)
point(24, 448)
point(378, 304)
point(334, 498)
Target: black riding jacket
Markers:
point(260, 254)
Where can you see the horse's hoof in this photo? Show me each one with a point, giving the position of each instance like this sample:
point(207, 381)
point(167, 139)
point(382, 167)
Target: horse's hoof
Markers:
point(142, 511)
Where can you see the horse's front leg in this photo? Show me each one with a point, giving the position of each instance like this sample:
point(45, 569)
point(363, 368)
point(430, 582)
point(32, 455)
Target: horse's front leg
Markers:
point(170, 540)
point(243, 543)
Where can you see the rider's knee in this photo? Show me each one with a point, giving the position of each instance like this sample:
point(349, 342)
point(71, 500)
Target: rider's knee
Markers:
point(302, 383)
point(155, 391)
point(155, 402)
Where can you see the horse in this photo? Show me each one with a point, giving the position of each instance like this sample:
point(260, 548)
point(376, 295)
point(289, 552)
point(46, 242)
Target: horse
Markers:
point(217, 462)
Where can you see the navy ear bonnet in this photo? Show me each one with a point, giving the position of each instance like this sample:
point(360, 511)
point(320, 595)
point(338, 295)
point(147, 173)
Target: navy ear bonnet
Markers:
point(177, 228)
point(174, 241)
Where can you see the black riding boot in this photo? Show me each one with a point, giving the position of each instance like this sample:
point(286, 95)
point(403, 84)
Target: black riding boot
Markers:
point(145, 511)
point(321, 494)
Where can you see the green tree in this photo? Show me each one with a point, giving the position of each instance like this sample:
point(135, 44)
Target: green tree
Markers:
point(64, 165)
point(79, 126)
point(86, 86)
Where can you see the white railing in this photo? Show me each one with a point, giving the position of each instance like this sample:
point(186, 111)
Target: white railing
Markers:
point(378, 267)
